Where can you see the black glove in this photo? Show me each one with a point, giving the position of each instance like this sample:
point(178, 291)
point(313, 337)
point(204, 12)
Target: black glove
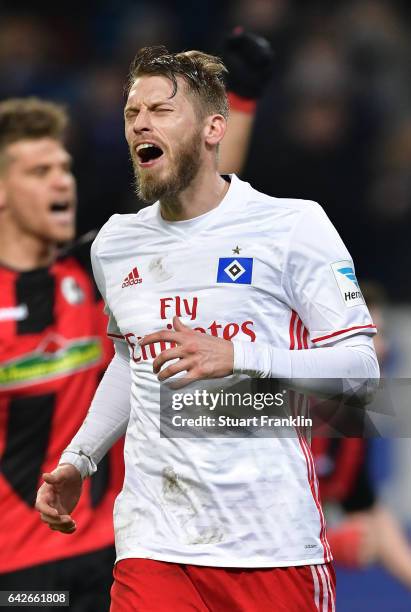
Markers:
point(249, 60)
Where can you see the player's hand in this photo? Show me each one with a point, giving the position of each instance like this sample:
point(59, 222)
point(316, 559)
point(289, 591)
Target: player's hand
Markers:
point(249, 59)
point(200, 355)
point(58, 496)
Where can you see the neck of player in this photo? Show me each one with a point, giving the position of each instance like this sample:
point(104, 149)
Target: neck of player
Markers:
point(24, 252)
point(204, 193)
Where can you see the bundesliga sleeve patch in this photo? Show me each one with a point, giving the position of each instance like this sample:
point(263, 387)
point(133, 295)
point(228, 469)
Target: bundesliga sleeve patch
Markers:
point(347, 283)
point(237, 270)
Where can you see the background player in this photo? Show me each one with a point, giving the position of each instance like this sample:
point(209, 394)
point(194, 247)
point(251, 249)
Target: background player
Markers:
point(52, 353)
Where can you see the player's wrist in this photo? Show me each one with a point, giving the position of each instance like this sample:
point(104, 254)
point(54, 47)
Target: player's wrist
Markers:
point(249, 359)
point(84, 464)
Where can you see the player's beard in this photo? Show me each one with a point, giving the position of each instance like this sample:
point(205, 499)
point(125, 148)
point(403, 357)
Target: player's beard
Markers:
point(151, 188)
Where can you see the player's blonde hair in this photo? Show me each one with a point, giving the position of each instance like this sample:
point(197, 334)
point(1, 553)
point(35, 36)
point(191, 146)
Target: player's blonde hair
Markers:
point(203, 74)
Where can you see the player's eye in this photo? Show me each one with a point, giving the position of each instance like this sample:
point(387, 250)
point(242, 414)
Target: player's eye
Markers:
point(130, 115)
point(40, 170)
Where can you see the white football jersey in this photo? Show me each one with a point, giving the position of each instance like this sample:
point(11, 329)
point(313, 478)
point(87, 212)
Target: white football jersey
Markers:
point(254, 269)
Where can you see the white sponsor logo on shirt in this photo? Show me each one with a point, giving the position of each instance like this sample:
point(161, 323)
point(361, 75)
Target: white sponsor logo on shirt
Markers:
point(14, 313)
point(347, 283)
point(72, 290)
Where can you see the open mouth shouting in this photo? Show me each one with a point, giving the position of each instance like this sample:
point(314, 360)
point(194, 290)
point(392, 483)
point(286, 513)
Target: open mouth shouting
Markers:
point(62, 211)
point(148, 154)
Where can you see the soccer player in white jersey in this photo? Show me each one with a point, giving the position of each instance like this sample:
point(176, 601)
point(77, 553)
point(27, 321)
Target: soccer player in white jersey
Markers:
point(213, 279)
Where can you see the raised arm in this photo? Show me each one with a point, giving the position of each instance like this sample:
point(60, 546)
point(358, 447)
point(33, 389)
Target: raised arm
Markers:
point(249, 60)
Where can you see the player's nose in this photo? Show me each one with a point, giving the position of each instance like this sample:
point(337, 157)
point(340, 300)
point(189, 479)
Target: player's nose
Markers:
point(142, 122)
point(63, 181)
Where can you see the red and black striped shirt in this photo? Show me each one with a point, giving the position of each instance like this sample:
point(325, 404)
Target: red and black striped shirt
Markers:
point(53, 350)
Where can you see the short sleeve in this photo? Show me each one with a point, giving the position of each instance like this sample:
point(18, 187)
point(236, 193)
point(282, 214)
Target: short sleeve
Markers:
point(320, 282)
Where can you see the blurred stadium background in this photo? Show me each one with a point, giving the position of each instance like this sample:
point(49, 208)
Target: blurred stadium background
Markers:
point(334, 125)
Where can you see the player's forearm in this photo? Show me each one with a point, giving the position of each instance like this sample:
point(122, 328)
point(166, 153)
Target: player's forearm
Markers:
point(249, 60)
point(353, 358)
point(234, 147)
point(106, 420)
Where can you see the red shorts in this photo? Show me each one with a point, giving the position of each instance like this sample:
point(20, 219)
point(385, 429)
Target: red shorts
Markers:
point(143, 585)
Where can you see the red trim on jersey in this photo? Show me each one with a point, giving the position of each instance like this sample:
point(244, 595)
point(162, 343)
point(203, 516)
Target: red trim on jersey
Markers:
point(292, 337)
point(299, 335)
point(302, 339)
point(318, 501)
point(305, 338)
point(343, 331)
point(115, 336)
point(312, 481)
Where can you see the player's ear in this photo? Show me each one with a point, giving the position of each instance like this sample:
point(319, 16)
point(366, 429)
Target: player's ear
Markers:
point(214, 129)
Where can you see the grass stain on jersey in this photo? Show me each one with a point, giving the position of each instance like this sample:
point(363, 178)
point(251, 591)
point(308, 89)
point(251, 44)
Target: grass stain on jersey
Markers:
point(181, 500)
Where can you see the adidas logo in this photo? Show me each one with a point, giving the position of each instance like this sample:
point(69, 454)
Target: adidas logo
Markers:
point(133, 278)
